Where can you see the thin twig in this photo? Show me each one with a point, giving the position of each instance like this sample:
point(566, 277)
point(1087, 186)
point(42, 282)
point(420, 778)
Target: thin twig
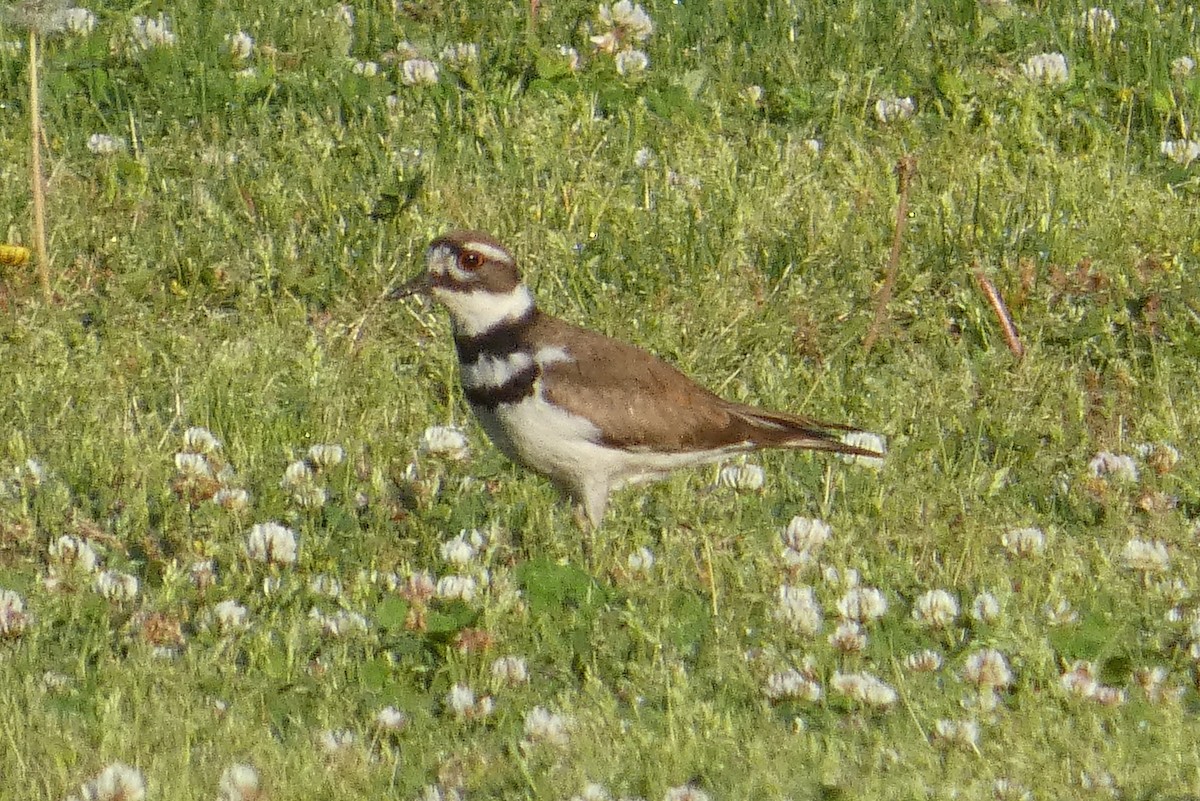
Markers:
point(35, 168)
point(997, 303)
point(905, 169)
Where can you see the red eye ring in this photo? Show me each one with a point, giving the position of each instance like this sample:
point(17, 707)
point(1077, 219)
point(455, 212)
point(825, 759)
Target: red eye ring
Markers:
point(470, 260)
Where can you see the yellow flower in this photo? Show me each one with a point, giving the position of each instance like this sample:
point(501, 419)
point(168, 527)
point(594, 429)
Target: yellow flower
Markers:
point(13, 255)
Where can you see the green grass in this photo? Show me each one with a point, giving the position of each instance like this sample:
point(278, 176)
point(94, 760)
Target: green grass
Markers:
point(225, 271)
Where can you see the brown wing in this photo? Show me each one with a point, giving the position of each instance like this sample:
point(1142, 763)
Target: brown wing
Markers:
point(637, 399)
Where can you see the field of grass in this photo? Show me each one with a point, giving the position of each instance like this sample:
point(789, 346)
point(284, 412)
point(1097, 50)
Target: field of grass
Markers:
point(1008, 609)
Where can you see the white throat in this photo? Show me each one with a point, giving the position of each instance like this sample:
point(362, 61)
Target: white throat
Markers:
point(479, 311)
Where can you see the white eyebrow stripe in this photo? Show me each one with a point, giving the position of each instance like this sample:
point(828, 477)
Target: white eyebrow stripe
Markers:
point(489, 252)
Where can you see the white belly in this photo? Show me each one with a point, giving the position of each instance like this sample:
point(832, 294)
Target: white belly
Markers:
point(563, 447)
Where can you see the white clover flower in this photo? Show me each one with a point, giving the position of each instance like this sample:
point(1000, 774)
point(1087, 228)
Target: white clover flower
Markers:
point(231, 616)
point(848, 637)
point(1182, 67)
point(631, 63)
point(391, 719)
point(239, 783)
point(245, 73)
point(460, 56)
point(335, 742)
point(510, 670)
point(798, 609)
point(846, 579)
point(1024, 542)
point(13, 618)
point(754, 94)
point(240, 44)
point(1005, 789)
point(926, 661)
point(344, 13)
point(640, 560)
point(32, 473)
point(310, 496)
point(894, 109)
point(1146, 557)
point(1152, 681)
point(446, 441)
point(79, 21)
point(193, 466)
point(957, 733)
point(1060, 613)
point(458, 551)
point(367, 69)
point(860, 439)
point(1109, 696)
point(105, 145)
point(69, 551)
point(461, 700)
point(300, 482)
point(457, 587)
point(1180, 151)
point(52, 681)
point(644, 158)
point(544, 726)
point(864, 688)
point(1049, 69)
point(434, 792)
point(803, 540)
point(814, 147)
point(571, 55)
point(341, 623)
point(593, 791)
point(203, 573)
point(630, 18)
point(1120, 467)
point(232, 499)
point(325, 457)
point(324, 584)
point(791, 684)
point(1099, 23)
point(297, 473)
point(117, 782)
point(117, 586)
point(149, 33)
point(936, 609)
point(686, 792)
point(1080, 680)
point(1161, 456)
point(864, 604)
point(271, 543)
point(418, 72)
point(419, 586)
point(985, 608)
point(987, 669)
point(741, 477)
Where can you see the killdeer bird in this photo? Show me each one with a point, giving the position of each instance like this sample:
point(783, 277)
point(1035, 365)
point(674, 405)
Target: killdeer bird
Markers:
point(589, 412)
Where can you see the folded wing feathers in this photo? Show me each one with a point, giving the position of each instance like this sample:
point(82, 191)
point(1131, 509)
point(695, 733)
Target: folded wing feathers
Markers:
point(776, 429)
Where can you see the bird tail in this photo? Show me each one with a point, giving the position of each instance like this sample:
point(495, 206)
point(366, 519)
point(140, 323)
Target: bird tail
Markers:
point(780, 430)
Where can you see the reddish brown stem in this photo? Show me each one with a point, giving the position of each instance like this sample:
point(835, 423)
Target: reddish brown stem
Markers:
point(905, 169)
point(1007, 326)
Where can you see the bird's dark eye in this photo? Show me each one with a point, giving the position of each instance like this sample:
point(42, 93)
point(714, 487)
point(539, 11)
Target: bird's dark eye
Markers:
point(470, 260)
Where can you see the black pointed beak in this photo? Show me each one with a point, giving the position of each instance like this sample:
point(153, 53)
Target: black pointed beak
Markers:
point(416, 286)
